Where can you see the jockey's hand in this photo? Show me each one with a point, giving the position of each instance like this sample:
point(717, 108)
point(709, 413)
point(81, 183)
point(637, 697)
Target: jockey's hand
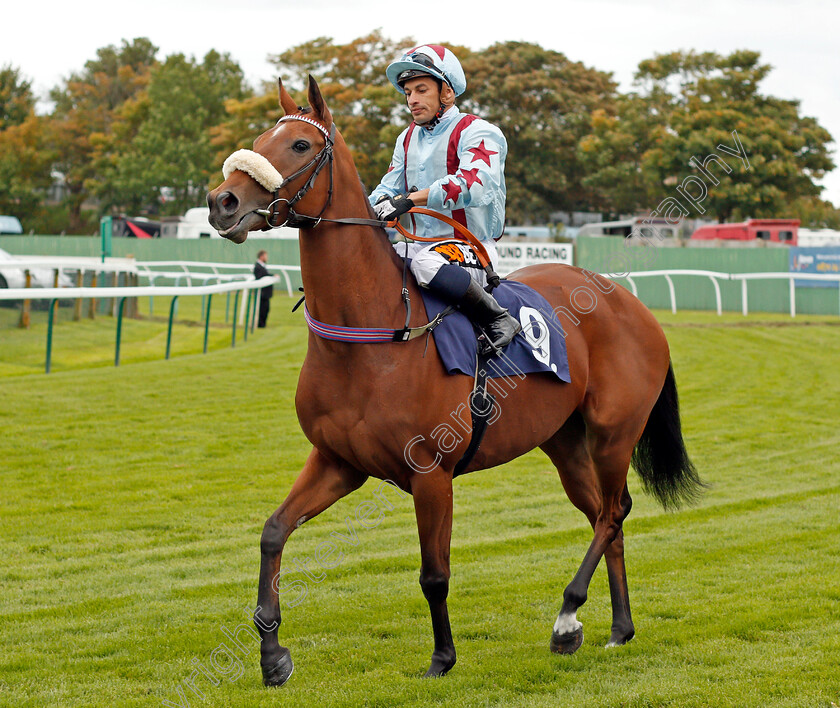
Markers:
point(392, 208)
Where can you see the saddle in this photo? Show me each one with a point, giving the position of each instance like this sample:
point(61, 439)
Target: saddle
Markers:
point(539, 348)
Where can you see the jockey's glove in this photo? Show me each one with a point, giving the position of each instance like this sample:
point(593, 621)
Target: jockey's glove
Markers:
point(392, 208)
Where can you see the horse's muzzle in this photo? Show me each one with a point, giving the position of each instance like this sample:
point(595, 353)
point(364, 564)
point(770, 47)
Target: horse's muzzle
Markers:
point(223, 205)
point(229, 217)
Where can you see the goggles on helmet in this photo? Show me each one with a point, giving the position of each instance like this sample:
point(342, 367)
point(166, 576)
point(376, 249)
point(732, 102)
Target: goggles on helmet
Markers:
point(425, 61)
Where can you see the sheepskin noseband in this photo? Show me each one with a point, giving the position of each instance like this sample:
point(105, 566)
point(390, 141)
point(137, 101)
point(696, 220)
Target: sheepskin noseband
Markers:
point(256, 165)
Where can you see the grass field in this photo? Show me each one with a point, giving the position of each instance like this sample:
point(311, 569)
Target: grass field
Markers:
point(133, 499)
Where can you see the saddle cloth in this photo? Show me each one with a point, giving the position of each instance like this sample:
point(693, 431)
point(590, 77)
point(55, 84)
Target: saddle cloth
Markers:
point(539, 347)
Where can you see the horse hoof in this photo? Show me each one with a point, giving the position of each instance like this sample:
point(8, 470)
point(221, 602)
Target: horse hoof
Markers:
point(619, 639)
point(567, 643)
point(279, 672)
point(439, 667)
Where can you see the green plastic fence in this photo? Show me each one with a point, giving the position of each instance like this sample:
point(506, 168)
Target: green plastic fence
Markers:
point(599, 254)
point(607, 254)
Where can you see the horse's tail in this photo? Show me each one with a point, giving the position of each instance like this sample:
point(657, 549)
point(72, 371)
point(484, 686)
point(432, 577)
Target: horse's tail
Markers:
point(660, 457)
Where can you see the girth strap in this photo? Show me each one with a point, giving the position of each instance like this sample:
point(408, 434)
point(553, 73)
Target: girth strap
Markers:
point(481, 409)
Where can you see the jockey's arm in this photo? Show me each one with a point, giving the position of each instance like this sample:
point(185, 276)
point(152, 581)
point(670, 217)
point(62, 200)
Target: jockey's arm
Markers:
point(478, 178)
point(420, 198)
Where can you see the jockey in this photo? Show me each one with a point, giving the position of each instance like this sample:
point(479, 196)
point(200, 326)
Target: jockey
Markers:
point(453, 163)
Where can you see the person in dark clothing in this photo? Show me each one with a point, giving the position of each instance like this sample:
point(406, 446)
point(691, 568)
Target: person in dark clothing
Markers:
point(261, 271)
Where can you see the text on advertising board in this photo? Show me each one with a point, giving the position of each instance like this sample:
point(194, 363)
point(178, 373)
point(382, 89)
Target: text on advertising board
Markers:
point(518, 255)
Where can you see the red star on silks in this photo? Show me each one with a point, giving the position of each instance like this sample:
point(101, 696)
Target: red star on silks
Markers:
point(482, 153)
point(471, 177)
point(453, 191)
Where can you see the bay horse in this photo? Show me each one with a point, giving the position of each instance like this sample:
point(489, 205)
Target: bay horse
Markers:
point(360, 404)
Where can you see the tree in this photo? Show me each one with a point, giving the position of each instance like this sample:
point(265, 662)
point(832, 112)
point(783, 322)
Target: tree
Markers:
point(120, 184)
point(86, 107)
point(543, 102)
point(689, 104)
point(16, 99)
point(351, 76)
point(816, 213)
point(786, 151)
point(25, 161)
point(245, 119)
point(612, 156)
point(24, 156)
point(170, 152)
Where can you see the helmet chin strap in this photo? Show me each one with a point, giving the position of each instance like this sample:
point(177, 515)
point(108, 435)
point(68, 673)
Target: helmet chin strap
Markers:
point(435, 119)
point(431, 123)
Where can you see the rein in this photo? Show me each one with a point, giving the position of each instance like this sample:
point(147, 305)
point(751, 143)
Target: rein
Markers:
point(369, 335)
point(467, 235)
point(265, 174)
point(271, 180)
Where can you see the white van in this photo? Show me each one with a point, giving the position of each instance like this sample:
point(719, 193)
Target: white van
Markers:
point(11, 277)
point(643, 226)
point(10, 225)
point(195, 224)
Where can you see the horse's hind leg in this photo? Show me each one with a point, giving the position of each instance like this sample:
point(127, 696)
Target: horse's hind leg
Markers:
point(569, 452)
point(622, 630)
point(320, 484)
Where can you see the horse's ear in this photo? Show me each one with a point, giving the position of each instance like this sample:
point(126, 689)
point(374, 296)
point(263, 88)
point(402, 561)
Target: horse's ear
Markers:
point(316, 100)
point(287, 103)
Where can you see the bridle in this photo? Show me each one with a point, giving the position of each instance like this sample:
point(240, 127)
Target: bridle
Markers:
point(323, 158)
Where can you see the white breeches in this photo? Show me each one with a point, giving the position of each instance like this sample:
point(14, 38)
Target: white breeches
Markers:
point(428, 258)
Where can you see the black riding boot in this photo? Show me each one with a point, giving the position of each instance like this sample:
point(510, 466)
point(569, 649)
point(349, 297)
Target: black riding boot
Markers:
point(482, 309)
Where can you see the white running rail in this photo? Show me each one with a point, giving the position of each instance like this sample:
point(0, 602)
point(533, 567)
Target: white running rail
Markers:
point(239, 273)
point(173, 270)
point(715, 276)
point(151, 290)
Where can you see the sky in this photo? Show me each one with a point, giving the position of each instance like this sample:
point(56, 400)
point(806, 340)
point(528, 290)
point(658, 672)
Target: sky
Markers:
point(47, 40)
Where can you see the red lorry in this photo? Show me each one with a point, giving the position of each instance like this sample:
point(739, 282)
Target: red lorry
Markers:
point(774, 230)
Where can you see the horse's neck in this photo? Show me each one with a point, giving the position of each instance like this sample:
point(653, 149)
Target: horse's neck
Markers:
point(351, 275)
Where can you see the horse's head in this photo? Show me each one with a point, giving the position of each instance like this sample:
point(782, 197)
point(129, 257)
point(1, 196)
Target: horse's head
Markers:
point(263, 185)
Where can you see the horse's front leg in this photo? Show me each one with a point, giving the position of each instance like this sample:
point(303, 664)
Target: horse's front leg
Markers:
point(433, 508)
point(320, 484)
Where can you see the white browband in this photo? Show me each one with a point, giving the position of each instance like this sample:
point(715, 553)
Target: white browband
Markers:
point(311, 121)
point(256, 165)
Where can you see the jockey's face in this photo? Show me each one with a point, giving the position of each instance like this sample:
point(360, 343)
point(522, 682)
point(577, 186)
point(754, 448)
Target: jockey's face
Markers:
point(423, 98)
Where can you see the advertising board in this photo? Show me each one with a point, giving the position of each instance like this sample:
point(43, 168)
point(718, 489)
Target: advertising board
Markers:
point(518, 254)
point(824, 259)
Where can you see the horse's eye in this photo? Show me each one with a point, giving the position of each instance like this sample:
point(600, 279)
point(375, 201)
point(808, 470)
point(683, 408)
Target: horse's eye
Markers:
point(300, 146)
